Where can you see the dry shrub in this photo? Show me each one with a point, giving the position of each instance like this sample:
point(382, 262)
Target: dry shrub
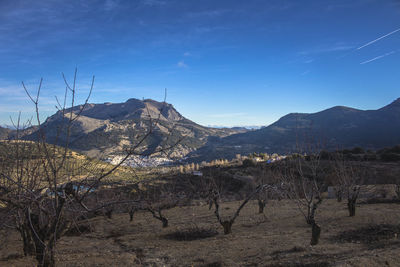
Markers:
point(299, 264)
point(214, 264)
point(192, 233)
point(12, 256)
point(381, 201)
point(295, 249)
point(370, 234)
point(79, 229)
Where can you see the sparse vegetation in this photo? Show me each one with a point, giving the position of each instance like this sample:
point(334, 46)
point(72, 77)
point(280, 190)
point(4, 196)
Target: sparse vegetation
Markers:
point(207, 179)
point(39, 188)
point(192, 233)
point(48, 192)
point(349, 181)
point(302, 181)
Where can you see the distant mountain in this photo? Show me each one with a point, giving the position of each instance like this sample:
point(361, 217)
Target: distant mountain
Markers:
point(105, 129)
point(241, 128)
point(337, 127)
point(4, 132)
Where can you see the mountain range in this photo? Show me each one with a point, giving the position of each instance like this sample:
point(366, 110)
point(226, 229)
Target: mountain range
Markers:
point(105, 129)
point(334, 128)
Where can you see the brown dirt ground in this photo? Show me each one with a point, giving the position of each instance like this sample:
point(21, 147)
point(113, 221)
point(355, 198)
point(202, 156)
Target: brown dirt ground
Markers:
point(280, 237)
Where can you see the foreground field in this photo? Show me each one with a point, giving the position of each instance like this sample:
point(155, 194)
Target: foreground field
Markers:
point(279, 237)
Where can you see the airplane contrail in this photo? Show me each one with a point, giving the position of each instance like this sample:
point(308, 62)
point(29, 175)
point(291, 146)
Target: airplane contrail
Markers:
point(376, 40)
point(378, 57)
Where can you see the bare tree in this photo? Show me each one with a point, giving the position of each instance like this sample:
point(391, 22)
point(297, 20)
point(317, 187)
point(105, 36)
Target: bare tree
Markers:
point(349, 180)
point(157, 212)
point(262, 199)
point(397, 190)
point(36, 183)
point(158, 195)
point(339, 191)
point(227, 223)
point(215, 196)
point(132, 211)
point(302, 181)
point(266, 176)
point(156, 205)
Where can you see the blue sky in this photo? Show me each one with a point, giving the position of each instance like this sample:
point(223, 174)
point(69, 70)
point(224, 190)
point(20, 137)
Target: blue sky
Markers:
point(223, 62)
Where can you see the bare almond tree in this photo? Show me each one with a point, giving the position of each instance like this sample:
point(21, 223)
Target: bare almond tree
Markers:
point(397, 190)
point(132, 210)
point(37, 183)
point(267, 176)
point(157, 199)
point(215, 197)
point(301, 179)
point(349, 179)
point(262, 199)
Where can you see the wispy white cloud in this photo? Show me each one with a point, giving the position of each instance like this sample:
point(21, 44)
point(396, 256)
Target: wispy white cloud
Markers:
point(42, 25)
point(11, 90)
point(380, 38)
point(305, 72)
point(378, 57)
point(338, 48)
point(154, 2)
point(207, 13)
point(208, 29)
point(111, 4)
point(341, 5)
point(182, 64)
point(327, 49)
point(187, 54)
point(14, 99)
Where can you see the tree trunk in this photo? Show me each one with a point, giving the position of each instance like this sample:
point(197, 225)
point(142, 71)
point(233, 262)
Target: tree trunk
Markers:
point(45, 255)
point(164, 222)
point(227, 227)
point(44, 237)
point(44, 250)
point(351, 205)
point(160, 217)
point(28, 246)
point(131, 213)
point(316, 232)
point(210, 205)
point(339, 195)
point(398, 191)
point(312, 208)
point(310, 215)
point(261, 206)
point(109, 213)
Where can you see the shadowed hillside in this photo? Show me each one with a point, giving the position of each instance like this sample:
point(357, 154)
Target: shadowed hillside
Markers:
point(337, 127)
point(4, 133)
point(104, 129)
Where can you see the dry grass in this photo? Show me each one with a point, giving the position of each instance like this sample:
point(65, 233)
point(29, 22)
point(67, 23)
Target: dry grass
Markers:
point(279, 237)
point(76, 166)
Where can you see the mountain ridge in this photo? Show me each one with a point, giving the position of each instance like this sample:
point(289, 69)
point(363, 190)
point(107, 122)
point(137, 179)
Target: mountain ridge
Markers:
point(106, 129)
point(332, 128)
point(4, 133)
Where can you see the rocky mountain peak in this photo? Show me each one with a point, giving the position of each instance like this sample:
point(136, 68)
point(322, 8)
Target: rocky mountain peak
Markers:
point(132, 109)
